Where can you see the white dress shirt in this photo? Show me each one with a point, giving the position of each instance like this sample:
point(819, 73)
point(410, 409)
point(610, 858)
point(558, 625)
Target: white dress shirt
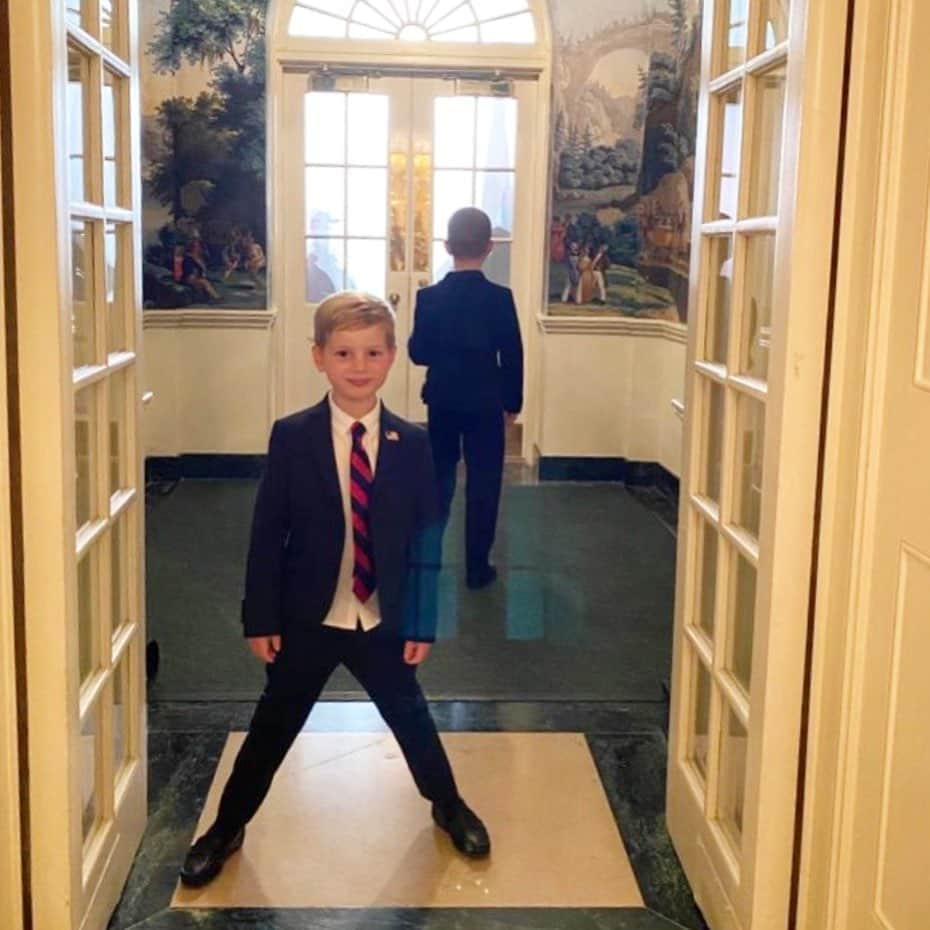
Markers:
point(346, 611)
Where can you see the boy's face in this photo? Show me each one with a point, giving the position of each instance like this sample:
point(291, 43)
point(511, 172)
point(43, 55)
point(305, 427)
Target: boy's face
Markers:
point(356, 363)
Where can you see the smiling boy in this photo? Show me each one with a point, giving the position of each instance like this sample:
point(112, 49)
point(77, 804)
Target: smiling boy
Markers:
point(341, 569)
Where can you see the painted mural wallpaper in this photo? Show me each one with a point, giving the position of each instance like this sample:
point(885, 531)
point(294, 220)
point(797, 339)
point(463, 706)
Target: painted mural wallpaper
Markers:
point(627, 74)
point(627, 77)
point(203, 149)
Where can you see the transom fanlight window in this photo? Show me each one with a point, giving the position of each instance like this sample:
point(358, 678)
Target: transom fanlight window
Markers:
point(415, 20)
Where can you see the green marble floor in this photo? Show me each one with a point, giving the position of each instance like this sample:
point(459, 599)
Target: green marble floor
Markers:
point(582, 609)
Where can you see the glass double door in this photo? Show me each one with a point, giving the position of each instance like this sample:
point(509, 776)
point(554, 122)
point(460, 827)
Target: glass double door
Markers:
point(386, 162)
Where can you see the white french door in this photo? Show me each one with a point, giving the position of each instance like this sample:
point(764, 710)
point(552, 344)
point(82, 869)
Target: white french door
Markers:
point(76, 186)
point(772, 85)
point(386, 161)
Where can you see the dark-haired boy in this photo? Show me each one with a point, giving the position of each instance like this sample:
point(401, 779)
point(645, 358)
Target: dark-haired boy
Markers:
point(466, 333)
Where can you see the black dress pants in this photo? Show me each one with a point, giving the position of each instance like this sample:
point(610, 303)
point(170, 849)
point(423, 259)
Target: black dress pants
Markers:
point(481, 436)
point(295, 680)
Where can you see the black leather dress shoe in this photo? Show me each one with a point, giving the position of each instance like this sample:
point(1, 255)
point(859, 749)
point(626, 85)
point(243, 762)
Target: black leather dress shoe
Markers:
point(481, 578)
point(204, 860)
point(464, 826)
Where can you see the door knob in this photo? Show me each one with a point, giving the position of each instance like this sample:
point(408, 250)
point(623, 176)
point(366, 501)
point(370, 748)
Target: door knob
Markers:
point(423, 282)
point(394, 299)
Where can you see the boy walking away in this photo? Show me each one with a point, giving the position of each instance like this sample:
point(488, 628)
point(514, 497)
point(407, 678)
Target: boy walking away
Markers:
point(466, 332)
point(342, 568)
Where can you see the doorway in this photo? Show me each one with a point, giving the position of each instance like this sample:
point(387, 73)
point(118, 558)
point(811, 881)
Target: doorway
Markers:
point(385, 162)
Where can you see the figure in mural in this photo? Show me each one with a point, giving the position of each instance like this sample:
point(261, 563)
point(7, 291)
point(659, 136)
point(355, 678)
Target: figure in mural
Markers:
point(557, 241)
point(572, 263)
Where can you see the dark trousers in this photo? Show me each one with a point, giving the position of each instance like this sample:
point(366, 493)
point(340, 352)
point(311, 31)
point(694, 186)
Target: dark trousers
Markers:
point(481, 436)
point(295, 680)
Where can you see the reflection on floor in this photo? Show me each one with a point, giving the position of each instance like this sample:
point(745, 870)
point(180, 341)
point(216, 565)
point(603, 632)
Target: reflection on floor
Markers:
point(582, 610)
point(627, 742)
point(344, 826)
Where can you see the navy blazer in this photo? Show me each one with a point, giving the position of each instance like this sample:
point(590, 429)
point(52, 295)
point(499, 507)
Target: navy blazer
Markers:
point(466, 331)
point(298, 529)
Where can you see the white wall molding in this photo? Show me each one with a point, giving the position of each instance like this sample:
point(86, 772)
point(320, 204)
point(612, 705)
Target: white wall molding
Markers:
point(613, 326)
point(209, 319)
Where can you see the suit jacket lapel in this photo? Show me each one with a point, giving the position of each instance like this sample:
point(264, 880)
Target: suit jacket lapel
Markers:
point(321, 442)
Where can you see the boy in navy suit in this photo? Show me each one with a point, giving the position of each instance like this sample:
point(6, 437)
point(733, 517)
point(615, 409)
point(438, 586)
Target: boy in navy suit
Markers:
point(342, 568)
point(466, 331)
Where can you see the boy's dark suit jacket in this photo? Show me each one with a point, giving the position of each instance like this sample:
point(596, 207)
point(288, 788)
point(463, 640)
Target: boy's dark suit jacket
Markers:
point(466, 330)
point(298, 529)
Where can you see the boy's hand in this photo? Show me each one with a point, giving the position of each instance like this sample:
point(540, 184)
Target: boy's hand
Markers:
point(511, 418)
point(265, 648)
point(415, 653)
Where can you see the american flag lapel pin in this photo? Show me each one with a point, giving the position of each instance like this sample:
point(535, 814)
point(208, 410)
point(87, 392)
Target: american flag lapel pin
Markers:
point(391, 435)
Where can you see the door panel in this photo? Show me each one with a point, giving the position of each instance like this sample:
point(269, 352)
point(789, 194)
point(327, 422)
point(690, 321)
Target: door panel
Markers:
point(78, 270)
point(883, 850)
point(765, 175)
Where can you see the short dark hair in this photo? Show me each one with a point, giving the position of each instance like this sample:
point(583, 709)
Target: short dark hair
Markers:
point(469, 232)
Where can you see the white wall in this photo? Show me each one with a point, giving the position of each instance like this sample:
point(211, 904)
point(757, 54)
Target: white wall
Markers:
point(212, 374)
point(599, 388)
point(606, 387)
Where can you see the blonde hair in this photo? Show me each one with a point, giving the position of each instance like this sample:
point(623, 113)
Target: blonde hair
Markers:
point(352, 310)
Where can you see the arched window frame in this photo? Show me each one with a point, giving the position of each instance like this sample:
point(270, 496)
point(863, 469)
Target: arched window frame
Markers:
point(287, 49)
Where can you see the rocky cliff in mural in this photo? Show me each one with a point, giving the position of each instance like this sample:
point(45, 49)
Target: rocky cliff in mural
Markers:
point(626, 96)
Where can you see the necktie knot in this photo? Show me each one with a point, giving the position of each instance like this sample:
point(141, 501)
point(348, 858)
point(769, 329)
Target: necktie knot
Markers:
point(358, 430)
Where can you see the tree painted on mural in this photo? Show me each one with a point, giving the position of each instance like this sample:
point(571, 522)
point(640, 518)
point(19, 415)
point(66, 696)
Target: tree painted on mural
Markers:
point(207, 163)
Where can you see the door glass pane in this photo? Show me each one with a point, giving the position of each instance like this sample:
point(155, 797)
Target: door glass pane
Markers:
point(116, 258)
point(706, 575)
point(733, 752)
point(700, 723)
point(454, 132)
point(494, 193)
point(366, 265)
point(85, 449)
point(87, 598)
point(310, 23)
point(742, 623)
point(112, 93)
point(91, 782)
point(750, 442)
point(451, 191)
point(736, 34)
point(325, 128)
point(767, 142)
point(109, 15)
point(718, 315)
point(731, 128)
point(757, 325)
point(709, 484)
point(774, 22)
point(326, 201)
point(367, 206)
point(119, 573)
point(82, 294)
point(121, 752)
point(77, 124)
point(497, 132)
point(368, 129)
point(73, 11)
point(325, 268)
point(442, 260)
point(497, 264)
point(468, 34)
point(118, 438)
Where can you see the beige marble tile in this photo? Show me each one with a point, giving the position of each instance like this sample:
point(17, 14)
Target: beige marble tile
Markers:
point(344, 826)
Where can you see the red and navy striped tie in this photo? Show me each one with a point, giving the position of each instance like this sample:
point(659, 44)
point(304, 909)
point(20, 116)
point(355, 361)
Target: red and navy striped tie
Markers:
point(363, 569)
